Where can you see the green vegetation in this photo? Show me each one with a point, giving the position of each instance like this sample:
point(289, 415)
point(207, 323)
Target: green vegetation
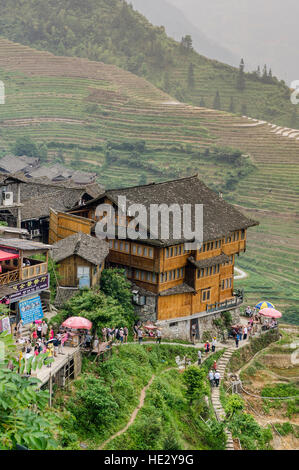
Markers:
point(112, 32)
point(110, 306)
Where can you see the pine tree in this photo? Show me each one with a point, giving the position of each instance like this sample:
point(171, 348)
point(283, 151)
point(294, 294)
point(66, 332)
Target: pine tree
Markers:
point(258, 72)
point(202, 102)
point(187, 43)
point(241, 76)
point(265, 74)
point(217, 102)
point(191, 76)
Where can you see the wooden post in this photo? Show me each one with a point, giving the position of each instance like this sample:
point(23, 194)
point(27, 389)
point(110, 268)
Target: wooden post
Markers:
point(50, 389)
point(19, 218)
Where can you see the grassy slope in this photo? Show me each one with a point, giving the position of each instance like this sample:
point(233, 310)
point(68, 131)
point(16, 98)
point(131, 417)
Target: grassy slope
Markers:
point(53, 99)
point(112, 32)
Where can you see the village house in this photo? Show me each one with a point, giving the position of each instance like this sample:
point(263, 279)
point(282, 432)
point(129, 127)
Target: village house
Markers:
point(81, 259)
point(175, 287)
point(11, 164)
point(36, 197)
point(24, 278)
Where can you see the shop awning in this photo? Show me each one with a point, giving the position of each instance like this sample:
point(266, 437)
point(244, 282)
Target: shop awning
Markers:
point(7, 255)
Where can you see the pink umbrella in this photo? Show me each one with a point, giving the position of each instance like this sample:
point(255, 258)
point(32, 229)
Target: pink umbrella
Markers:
point(77, 323)
point(150, 327)
point(270, 312)
point(38, 321)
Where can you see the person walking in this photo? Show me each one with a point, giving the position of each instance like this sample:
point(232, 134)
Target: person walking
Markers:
point(217, 378)
point(126, 332)
point(193, 333)
point(135, 332)
point(207, 347)
point(140, 335)
point(211, 378)
point(121, 335)
point(104, 334)
point(237, 341)
point(199, 357)
point(39, 330)
point(215, 366)
point(44, 329)
point(240, 333)
point(245, 333)
point(158, 336)
point(214, 344)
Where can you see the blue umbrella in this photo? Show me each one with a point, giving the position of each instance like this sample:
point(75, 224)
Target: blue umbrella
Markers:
point(264, 304)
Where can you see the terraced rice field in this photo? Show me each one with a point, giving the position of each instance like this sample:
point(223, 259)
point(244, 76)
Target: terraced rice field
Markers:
point(74, 103)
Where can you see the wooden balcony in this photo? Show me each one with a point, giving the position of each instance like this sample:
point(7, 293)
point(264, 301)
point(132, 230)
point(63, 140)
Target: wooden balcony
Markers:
point(28, 272)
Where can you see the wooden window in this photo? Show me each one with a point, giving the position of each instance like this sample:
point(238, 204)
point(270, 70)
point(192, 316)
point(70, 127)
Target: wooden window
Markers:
point(127, 247)
point(203, 247)
point(182, 272)
point(218, 268)
point(214, 269)
point(145, 251)
point(167, 252)
point(175, 251)
point(134, 249)
point(220, 243)
point(206, 271)
point(222, 284)
point(165, 277)
point(139, 250)
point(150, 252)
point(171, 252)
point(148, 276)
point(111, 243)
point(210, 271)
point(216, 244)
point(202, 272)
point(137, 273)
point(198, 273)
point(237, 235)
point(230, 282)
point(142, 275)
point(243, 234)
point(205, 295)
point(212, 245)
point(180, 249)
point(178, 273)
point(153, 277)
point(121, 246)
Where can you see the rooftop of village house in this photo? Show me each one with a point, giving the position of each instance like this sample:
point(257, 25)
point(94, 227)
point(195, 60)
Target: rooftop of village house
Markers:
point(90, 248)
point(24, 245)
point(220, 217)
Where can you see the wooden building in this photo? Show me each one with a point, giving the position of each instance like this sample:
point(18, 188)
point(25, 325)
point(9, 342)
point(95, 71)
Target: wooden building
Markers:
point(81, 260)
point(172, 285)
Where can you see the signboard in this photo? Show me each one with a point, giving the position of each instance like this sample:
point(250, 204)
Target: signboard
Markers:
point(32, 286)
point(31, 310)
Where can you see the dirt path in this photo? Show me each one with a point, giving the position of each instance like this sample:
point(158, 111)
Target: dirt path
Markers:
point(133, 415)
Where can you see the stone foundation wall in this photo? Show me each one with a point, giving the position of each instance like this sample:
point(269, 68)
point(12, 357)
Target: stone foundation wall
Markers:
point(173, 329)
point(147, 312)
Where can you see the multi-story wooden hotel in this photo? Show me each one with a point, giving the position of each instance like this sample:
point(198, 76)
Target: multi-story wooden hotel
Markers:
point(176, 287)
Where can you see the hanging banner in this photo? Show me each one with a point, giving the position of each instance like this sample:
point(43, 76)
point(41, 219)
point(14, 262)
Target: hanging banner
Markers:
point(25, 288)
point(31, 310)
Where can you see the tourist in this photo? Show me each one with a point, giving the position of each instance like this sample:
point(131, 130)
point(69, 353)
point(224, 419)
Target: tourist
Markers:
point(240, 333)
point(159, 336)
point(214, 344)
point(140, 335)
point(64, 338)
point(215, 366)
point(19, 328)
point(50, 352)
point(44, 329)
point(207, 347)
point(104, 334)
point(193, 333)
point(211, 378)
point(121, 335)
point(116, 333)
point(36, 350)
point(126, 332)
point(199, 357)
point(39, 330)
point(217, 378)
point(245, 333)
point(135, 332)
point(248, 311)
point(237, 341)
point(87, 341)
point(96, 343)
point(51, 335)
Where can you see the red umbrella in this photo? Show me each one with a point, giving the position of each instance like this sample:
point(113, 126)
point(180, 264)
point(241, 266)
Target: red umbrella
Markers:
point(150, 327)
point(270, 312)
point(77, 323)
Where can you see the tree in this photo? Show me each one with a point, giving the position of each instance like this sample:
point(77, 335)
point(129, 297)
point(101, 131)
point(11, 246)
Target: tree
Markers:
point(244, 109)
point(25, 146)
point(202, 102)
point(217, 102)
point(195, 380)
point(191, 81)
point(265, 74)
point(187, 43)
point(241, 76)
point(23, 420)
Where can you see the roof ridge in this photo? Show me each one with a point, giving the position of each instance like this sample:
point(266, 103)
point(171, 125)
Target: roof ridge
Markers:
point(153, 183)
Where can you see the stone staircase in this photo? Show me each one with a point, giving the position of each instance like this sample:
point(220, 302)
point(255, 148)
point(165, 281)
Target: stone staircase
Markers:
point(219, 411)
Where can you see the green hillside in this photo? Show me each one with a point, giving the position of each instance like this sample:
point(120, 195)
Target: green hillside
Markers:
point(107, 119)
point(112, 32)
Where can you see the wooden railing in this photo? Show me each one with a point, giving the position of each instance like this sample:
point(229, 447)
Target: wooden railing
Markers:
point(34, 270)
point(9, 277)
point(219, 306)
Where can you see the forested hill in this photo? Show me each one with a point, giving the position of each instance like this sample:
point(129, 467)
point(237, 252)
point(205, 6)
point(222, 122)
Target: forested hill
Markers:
point(112, 32)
